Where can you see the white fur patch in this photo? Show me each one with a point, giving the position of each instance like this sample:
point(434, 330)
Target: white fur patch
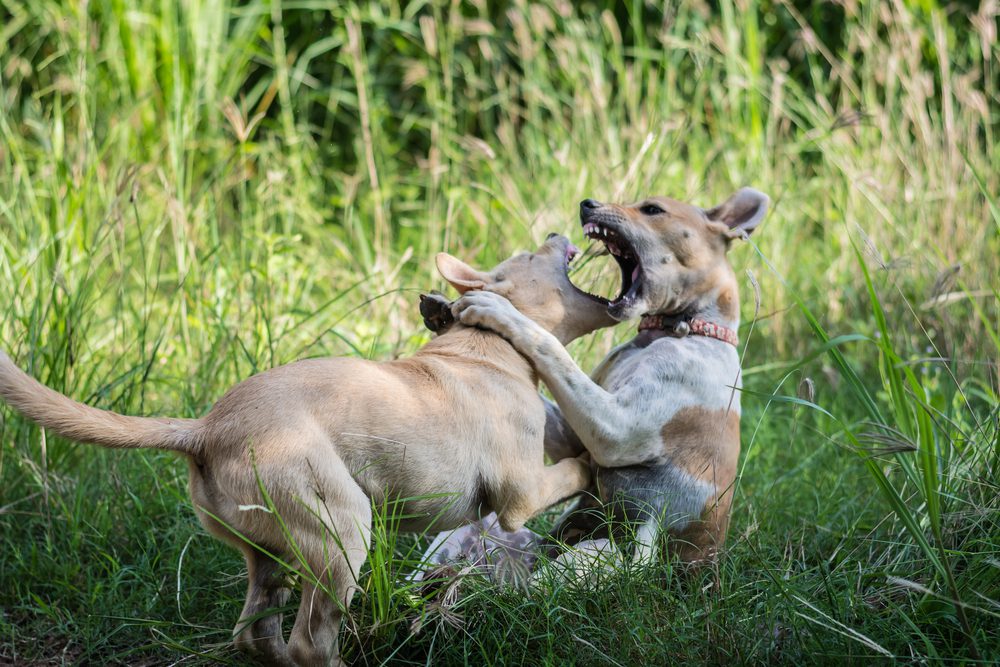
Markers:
point(653, 384)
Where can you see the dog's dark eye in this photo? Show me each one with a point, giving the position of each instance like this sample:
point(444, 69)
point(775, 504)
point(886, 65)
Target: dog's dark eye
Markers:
point(651, 209)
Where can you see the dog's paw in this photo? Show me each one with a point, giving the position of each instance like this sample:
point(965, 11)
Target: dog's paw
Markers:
point(489, 311)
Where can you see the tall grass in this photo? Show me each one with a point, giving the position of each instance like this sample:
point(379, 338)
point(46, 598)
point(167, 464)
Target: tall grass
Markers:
point(191, 192)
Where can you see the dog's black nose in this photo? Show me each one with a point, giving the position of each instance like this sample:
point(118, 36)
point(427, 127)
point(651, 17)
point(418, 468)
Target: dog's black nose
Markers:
point(589, 204)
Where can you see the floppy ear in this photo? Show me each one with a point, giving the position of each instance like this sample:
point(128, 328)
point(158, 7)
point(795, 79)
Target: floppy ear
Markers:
point(460, 275)
point(741, 213)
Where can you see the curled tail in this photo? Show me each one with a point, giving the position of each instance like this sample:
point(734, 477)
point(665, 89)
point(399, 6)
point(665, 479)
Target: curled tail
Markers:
point(77, 421)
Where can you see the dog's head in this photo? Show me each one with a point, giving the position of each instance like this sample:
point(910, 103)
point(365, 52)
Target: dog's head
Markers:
point(673, 255)
point(538, 285)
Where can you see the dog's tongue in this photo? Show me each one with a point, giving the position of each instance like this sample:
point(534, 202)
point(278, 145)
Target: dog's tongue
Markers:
point(571, 252)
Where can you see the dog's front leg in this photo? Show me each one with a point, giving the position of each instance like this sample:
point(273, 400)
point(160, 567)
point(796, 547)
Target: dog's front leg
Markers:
point(613, 434)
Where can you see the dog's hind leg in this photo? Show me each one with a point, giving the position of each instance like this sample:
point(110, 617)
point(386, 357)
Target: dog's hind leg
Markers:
point(532, 493)
point(258, 632)
point(334, 556)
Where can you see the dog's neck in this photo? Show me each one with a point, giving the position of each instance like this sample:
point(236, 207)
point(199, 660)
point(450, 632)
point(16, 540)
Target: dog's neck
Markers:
point(481, 346)
point(715, 315)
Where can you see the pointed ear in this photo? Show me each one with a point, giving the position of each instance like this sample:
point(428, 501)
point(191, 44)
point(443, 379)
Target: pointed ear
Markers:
point(741, 213)
point(460, 275)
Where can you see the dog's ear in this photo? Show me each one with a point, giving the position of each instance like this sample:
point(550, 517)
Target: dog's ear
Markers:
point(741, 213)
point(460, 275)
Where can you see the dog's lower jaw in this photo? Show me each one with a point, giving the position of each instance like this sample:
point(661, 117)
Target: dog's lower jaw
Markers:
point(628, 308)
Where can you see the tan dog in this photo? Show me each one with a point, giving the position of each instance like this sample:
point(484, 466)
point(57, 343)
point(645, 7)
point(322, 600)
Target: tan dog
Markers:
point(660, 415)
point(456, 430)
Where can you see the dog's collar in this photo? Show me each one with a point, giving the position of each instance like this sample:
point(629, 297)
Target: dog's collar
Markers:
point(680, 326)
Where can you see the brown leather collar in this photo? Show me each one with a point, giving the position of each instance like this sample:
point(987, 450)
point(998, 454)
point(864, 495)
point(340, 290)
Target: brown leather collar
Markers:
point(682, 326)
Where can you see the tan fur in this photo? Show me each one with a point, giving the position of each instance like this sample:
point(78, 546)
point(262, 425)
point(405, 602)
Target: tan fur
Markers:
point(457, 429)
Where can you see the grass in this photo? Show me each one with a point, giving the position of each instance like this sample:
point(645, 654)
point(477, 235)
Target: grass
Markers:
point(192, 192)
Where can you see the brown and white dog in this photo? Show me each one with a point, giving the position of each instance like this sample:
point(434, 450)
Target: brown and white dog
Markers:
point(451, 433)
point(660, 415)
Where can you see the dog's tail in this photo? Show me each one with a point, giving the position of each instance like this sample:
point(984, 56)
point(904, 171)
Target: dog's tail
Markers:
point(77, 421)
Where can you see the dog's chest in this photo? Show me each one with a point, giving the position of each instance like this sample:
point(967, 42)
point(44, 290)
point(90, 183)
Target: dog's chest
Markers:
point(671, 374)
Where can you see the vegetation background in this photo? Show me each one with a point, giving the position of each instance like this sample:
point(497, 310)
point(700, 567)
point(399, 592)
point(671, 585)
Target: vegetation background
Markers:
point(193, 191)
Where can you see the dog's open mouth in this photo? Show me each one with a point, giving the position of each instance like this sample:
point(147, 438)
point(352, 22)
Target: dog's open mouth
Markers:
point(630, 268)
point(572, 252)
